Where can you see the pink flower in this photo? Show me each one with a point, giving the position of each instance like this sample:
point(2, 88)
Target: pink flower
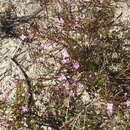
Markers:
point(29, 31)
point(25, 125)
point(43, 46)
point(110, 31)
point(71, 80)
point(56, 88)
point(127, 103)
point(27, 94)
point(72, 3)
point(65, 57)
point(80, 85)
point(13, 85)
point(109, 107)
point(25, 108)
point(17, 73)
point(5, 128)
point(58, 5)
point(125, 94)
point(71, 93)
point(6, 94)
point(50, 41)
point(101, 1)
point(23, 37)
point(66, 84)
point(65, 54)
point(61, 76)
point(64, 61)
point(59, 20)
point(75, 66)
point(77, 21)
point(60, 36)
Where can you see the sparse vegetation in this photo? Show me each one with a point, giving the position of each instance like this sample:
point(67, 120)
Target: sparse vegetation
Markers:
point(79, 50)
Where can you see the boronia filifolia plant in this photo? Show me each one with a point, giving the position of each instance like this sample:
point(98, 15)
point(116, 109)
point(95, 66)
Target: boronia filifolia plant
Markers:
point(74, 45)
